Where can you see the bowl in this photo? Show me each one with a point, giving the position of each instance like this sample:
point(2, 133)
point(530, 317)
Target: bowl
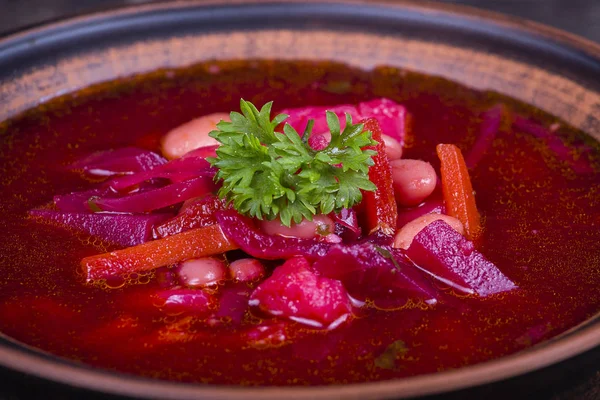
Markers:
point(552, 70)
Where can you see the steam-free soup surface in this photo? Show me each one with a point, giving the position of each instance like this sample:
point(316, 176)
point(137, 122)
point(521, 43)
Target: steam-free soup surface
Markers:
point(541, 228)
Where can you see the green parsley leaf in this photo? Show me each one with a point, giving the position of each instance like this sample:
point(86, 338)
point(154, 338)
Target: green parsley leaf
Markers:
point(388, 254)
point(267, 174)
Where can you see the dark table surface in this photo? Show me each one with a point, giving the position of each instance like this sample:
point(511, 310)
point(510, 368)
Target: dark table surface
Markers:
point(581, 17)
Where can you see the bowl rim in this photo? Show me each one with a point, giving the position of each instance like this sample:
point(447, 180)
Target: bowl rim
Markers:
point(578, 340)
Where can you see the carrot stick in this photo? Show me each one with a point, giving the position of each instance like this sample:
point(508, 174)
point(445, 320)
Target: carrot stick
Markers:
point(457, 189)
point(201, 242)
point(379, 207)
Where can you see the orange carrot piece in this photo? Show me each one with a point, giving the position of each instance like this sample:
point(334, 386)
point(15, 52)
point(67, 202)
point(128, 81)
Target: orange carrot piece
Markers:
point(379, 207)
point(201, 242)
point(457, 189)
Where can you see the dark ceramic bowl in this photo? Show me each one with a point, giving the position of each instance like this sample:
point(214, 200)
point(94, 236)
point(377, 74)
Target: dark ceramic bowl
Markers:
point(549, 69)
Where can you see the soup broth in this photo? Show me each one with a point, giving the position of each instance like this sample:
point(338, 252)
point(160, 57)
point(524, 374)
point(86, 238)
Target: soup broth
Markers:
point(539, 199)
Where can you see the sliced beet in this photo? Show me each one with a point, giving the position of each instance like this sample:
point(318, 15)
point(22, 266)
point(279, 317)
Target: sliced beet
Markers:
point(233, 303)
point(243, 232)
point(294, 291)
point(392, 117)
point(121, 229)
point(346, 224)
point(368, 272)
point(178, 170)
point(124, 161)
point(155, 199)
point(490, 125)
point(189, 301)
point(448, 256)
point(78, 201)
point(434, 204)
point(299, 117)
point(577, 157)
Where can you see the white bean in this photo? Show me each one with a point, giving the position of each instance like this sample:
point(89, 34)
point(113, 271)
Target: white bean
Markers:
point(201, 272)
point(246, 269)
point(407, 233)
point(393, 148)
point(321, 225)
point(191, 135)
point(413, 181)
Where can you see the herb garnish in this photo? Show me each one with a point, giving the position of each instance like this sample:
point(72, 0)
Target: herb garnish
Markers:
point(388, 254)
point(267, 174)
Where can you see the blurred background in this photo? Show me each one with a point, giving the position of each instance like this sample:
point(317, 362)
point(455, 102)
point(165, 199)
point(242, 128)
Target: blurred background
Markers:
point(577, 16)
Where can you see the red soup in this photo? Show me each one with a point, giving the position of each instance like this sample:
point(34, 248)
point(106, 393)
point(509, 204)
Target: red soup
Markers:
point(440, 227)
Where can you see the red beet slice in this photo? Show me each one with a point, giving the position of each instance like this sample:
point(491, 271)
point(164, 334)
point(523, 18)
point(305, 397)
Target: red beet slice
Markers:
point(294, 291)
point(155, 199)
point(490, 125)
point(369, 274)
point(179, 170)
point(243, 232)
point(434, 204)
point(121, 229)
point(192, 301)
point(124, 161)
point(299, 117)
point(448, 256)
point(392, 117)
point(233, 303)
point(578, 160)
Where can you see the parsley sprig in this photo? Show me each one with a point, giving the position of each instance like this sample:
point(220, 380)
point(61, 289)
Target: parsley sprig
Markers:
point(268, 174)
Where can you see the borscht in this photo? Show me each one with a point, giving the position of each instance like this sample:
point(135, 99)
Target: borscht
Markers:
point(293, 223)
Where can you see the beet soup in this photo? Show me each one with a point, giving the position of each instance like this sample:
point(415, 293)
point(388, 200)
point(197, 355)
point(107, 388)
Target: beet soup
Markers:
point(102, 227)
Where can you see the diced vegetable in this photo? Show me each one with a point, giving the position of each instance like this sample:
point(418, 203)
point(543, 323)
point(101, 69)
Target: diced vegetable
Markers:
point(295, 292)
point(491, 121)
point(379, 208)
point(299, 117)
point(407, 233)
point(196, 215)
point(243, 232)
point(381, 274)
point(233, 303)
point(457, 189)
point(393, 118)
point(268, 334)
point(189, 301)
point(201, 242)
point(580, 164)
point(433, 205)
point(202, 152)
point(78, 201)
point(124, 161)
point(121, 229)
point(179, 170)
point(445, 254)
point(156, 198)
point(347, 226)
